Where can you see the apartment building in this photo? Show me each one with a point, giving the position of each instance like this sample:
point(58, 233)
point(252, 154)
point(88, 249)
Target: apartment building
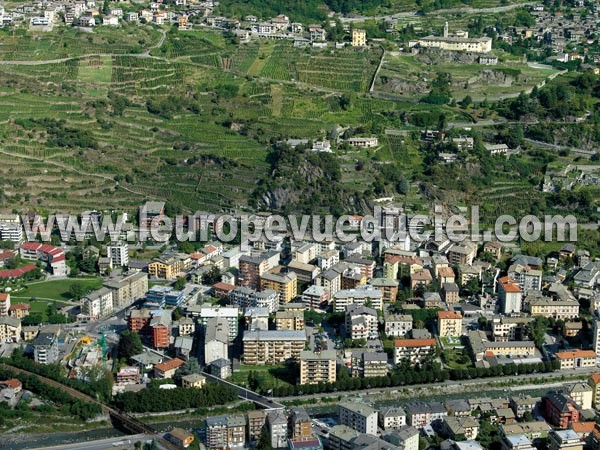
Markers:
point(366, 266)
point(450, 293)
point(564, 440)
point(359, 38)
point(397, 325)
point(305, 253)
point(594, 382)
point(462, 253)
point(97, 303)
point(128, 288)
point(359, 417)
point(480, 346)
point(559, 409)
point(449, 324)
point(277, 423)
point(223, 432)
point(118, 252)
point(4, 304)
point(559, 309)
point(460, 428)
point(202, 313)
point(368, 364)
point(315, 297)
point(216, 339)
point(281, 281)
point(317, 367)
point(253, 267)
point(10, 329)
point(363, 295)
point(256, 422)
point(392, 418)
point(582, 394)
point(167, 267)
point(511, 328)
point(522, 404)
point(245, 297)
point(421, 414)
point(160, 329)
point(361, 322)
point(19, 310)
point(300, 424)
point(304, 272)
point(388, 288)
point(528, 278)
point(413, 350)
point(45, 345)
point(510, 295)
point(272, 347)
point(289, 320)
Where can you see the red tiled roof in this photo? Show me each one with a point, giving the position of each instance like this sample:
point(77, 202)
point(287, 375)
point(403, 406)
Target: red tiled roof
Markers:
point(448, 315)
point(170, 364)
point(414, 342)
point(583, 427)
point(23, 306)
point(576, 354)
point(224, 286)
point(31, 245)
point(595, 378)
point(13, 383)
point(16, 273)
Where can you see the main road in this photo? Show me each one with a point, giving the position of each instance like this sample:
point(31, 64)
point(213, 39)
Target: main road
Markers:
point(513, 379)
point(466, 10)
point(247, 394)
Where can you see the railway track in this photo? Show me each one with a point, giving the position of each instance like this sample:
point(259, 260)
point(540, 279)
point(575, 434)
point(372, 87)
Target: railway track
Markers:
point(127, 423)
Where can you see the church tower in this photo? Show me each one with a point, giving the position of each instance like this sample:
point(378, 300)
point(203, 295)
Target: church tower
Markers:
point(446, 29)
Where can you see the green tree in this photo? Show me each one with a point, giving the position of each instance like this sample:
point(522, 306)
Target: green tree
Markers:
point(180, 283)
point(77, 290)
point(129, 344)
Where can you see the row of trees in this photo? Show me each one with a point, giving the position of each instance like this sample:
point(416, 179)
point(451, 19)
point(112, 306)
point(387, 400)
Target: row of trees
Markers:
point(100, 387)
point(154, 399)
point(415, 376)
point(68, 405)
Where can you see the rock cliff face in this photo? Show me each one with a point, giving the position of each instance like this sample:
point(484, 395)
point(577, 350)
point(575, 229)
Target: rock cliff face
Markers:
point(434, 56)
point(492, 77)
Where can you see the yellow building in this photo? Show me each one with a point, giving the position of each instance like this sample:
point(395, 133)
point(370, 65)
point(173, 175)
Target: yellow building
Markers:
point(449, 324)
point(317, 367)
point(594, 382)
point(285, 284)
point(359, 38)
point(272, 346)
point(289, 320)
point(193, 380)
point(166, 268)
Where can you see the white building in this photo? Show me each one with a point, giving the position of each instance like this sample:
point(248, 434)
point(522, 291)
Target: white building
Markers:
point(97, 303)
point(119, 253)
point(359, 417)
point(216, 340)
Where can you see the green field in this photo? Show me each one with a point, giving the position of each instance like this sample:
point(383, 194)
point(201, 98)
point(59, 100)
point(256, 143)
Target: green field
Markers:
point(55, 290)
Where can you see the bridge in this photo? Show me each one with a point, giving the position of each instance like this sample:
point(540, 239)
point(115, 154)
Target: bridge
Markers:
point(119, 420)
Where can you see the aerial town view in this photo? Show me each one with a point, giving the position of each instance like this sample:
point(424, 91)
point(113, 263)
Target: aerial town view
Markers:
point(300, 225)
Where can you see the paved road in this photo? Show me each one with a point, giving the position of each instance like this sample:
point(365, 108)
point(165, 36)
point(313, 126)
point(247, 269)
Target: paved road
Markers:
point(247, 394)
point(119, 442)
point(552, 376)
point(466, 10)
